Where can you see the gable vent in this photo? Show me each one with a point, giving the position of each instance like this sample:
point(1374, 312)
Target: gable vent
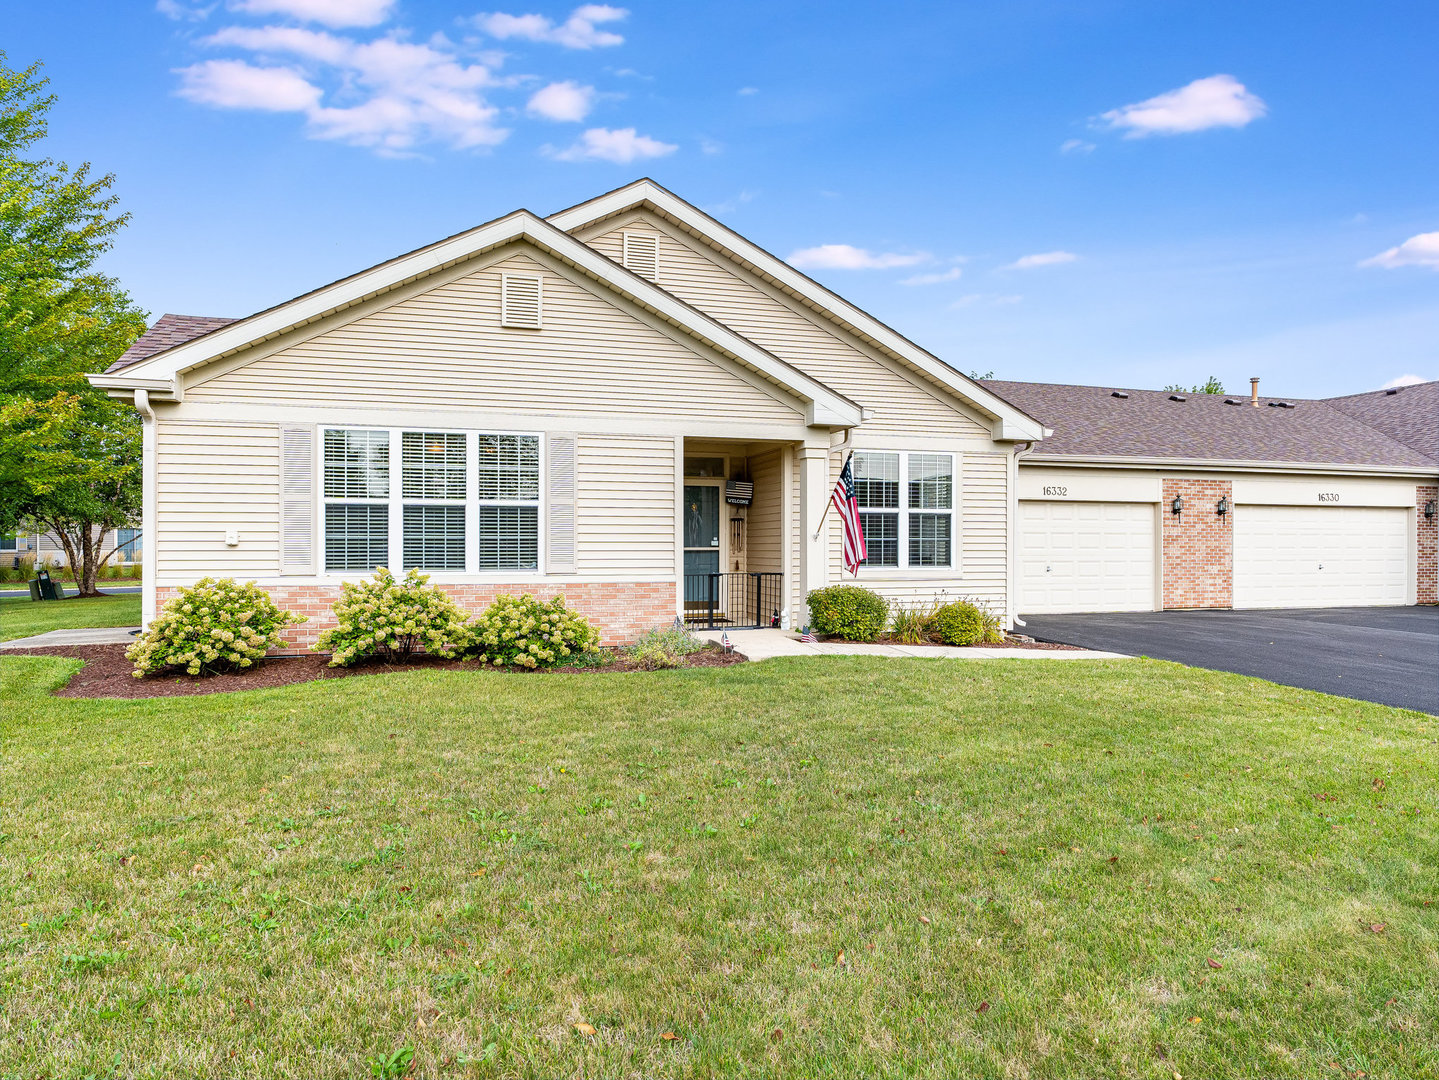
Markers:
point(642, 254)
point(520, 301)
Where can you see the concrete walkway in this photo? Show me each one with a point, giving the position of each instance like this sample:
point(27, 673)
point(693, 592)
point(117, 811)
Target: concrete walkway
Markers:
point(99, 635)
point(763, 644)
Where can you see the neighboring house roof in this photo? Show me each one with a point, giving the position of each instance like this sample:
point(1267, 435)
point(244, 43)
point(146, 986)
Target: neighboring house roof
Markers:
point(168, 331)
point(1010, 422)
point(162, 370)
point(1409, 414)
point(1090, 422)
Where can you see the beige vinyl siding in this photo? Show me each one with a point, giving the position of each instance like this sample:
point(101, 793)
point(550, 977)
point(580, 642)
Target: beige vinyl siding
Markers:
point(211, 478)
point(625, 505)
point(446, 346)
point(764, 525)
point(724, 290)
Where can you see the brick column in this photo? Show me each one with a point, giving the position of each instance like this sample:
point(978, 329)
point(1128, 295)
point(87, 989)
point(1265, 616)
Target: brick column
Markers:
point(1198, 545)
point(1428, 592)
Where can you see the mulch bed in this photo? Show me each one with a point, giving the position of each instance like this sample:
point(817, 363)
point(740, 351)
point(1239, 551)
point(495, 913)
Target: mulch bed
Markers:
point(107, 673)
point(1007, 643)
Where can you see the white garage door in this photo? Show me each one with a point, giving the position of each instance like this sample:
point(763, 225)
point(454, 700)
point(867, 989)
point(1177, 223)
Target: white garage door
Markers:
point(1320, 556)
point(1086, 556)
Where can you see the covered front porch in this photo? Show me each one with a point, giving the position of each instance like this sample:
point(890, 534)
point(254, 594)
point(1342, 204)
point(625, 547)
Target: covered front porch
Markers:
point(742, 531)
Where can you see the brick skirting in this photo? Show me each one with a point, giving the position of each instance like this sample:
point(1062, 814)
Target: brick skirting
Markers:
point(1428, 592)
point(1198, 545)
point(621, 610)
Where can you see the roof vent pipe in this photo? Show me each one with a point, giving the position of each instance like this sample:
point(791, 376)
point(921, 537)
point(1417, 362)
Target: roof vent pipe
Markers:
point(1254, 391)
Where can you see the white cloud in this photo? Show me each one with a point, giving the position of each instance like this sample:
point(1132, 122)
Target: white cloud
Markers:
point(1421, 250)
point(1044, 258)
point(1076, 146)
point(387, 94)
point(1404, 380)
point(730, 205)
point(565, 101)
point(1217, 101)
point(952, 274)
point(579, 31)
point(846, 257)
point(621, 146)
point(234, 84)
point(328, 12)
point(710, 146)
point(175, 9)
point(747, 91)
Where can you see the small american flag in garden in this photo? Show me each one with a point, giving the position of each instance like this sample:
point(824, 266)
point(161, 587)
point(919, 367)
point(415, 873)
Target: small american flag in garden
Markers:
point(846, 504)
point(808, 635)
point(725, 641)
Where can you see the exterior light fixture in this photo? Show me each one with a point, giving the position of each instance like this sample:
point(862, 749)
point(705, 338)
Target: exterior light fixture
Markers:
point(1178, 504)
point(1429, 509)
point(1223, 507)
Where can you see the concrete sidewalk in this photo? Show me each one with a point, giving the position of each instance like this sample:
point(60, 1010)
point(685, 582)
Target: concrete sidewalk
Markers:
point(763, 644)
point(99, 635)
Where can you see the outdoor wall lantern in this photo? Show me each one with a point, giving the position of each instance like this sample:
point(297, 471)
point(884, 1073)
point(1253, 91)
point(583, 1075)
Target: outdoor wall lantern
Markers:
point(1223, 507)
point(1429, 509)
point(1178, 504)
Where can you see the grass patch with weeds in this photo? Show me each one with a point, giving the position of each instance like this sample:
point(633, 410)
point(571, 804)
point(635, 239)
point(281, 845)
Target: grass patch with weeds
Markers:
point(829, 866)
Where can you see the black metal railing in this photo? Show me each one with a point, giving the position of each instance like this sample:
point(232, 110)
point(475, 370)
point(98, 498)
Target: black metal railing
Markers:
point(739, 601)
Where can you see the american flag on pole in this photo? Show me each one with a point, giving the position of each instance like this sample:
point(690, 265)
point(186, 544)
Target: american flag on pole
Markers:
point(846, 504)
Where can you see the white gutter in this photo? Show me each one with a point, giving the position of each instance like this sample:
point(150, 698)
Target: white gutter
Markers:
point(1012, 593)
point(1227, 465)
point(148, 486)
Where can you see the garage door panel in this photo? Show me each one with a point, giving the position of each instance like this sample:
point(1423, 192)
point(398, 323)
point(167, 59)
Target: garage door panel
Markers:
point(1320, 556)
point(1086, 556)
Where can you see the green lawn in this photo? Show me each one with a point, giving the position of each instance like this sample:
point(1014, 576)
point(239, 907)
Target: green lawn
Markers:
point(22, 616)
point(814, 867)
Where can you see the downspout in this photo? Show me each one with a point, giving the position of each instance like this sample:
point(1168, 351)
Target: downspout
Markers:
point(1013, 590)
point(148, 485)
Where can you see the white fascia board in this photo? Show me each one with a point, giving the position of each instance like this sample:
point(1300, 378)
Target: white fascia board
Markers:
point(1226, 465)
point(1009, 422)
point(162, 373)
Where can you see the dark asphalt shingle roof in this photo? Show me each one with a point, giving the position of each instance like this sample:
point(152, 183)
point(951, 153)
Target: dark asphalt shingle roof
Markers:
point(168, 331)
point(1409, 414)
point(1089, 421)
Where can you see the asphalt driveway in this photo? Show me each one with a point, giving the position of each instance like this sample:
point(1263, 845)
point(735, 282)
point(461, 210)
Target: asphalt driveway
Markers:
point(1389, 655)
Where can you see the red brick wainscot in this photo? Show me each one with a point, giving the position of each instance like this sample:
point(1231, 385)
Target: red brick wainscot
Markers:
point(1198, 545)
point(1428, 592)
point(621, 610)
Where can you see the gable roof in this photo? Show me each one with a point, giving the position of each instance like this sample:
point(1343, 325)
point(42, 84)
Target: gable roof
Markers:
point(1408, 414)
point(1090, 423)
point(161, 371)
point(1008, 420)
point(168, 331)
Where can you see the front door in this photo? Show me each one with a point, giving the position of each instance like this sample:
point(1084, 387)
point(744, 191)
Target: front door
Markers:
point(701, 526)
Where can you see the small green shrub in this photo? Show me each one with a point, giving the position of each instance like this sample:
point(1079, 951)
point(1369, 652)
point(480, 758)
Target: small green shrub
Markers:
point(993, 625)
point(847, 611)
point(959, 623)
point(912, 625)
point(521, 631)
point(392, 618)
point(667, 647)
point(212, 626)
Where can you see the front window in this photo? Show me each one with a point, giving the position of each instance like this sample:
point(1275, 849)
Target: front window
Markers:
point(906, 506)
point(464, 501)
point(127, 544)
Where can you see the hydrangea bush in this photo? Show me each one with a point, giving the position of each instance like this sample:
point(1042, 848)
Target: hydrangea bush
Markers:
point(393, 618)
point(214, 625)
point(521, 631)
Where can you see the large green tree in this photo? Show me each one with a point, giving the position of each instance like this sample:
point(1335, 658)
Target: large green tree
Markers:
point(69, 456)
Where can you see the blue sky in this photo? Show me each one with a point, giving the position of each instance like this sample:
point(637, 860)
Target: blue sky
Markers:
point(1090, 191)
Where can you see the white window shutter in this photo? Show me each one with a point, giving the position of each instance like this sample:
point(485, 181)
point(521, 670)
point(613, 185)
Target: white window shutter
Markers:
point(297, 500)
point(560, 503)
point(520, 301)
point(642, 254)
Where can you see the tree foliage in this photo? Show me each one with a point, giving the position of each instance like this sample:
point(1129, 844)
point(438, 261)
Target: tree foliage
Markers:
point(69, 456)
point(1211, 385)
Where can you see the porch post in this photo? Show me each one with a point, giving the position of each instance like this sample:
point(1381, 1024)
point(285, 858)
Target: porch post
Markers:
point(813, 552)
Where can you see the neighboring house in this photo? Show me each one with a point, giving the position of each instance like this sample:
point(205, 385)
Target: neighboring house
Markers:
point(571, 405)
point(1143, 500)
point(46, 549)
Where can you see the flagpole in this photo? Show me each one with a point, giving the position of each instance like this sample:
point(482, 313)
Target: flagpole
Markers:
point(827, 504)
